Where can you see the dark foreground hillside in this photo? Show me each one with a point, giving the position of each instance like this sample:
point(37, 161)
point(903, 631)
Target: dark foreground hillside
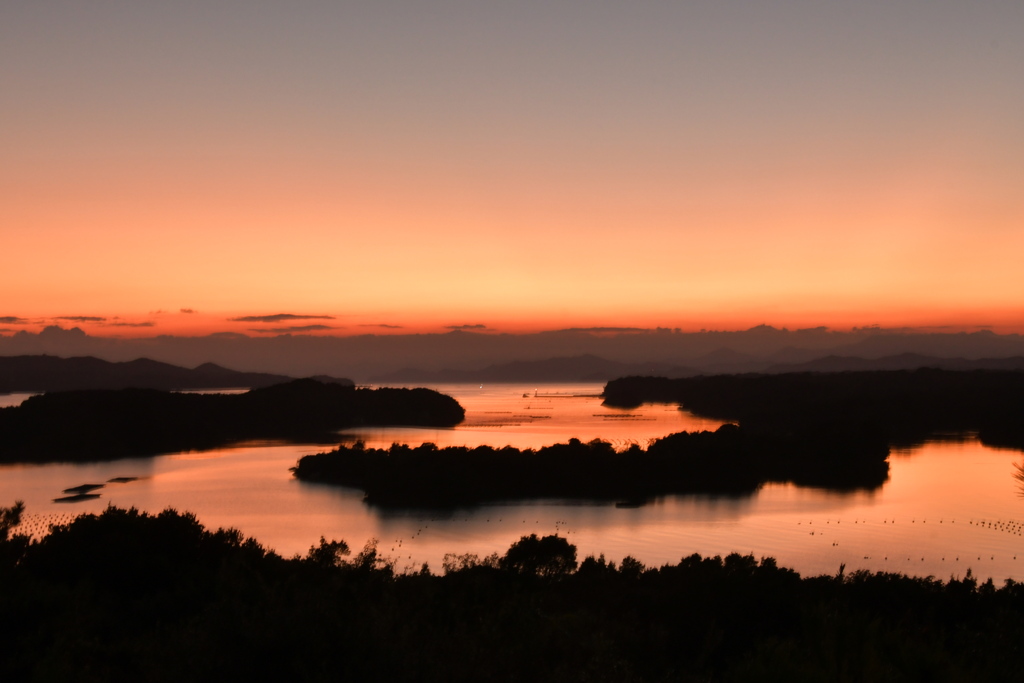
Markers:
point(98, 425)
point(127, 596)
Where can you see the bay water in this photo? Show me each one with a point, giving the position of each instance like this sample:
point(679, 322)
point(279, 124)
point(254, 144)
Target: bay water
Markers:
point(948, 505)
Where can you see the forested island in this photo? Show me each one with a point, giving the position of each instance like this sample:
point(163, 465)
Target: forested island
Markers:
point(131, 596)
point(729, 460)
point(102, 425)
point(829, 430)
point(901, 408)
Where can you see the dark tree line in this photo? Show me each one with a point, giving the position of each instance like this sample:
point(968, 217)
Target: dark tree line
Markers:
point(729, 460)
point(99, 425)
point(819, 429)
point(130, 596)
point(899, 407)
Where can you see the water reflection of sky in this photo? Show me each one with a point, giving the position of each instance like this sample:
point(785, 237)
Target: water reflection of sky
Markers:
point(949, 503)
point(531, 416)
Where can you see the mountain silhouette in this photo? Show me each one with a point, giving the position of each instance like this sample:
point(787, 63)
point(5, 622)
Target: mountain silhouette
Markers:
point(51, 373)
point(903, 361)
point(582, 368)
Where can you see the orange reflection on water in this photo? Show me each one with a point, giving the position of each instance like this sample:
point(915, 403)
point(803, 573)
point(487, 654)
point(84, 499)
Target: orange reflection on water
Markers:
point(532, 416)
point(947, 507)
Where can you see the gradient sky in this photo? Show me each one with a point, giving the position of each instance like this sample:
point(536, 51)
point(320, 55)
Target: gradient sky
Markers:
point(519, 165)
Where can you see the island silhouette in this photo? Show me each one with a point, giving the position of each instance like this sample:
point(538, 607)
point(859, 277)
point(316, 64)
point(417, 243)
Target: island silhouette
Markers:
point(730, 460)
point(904, 408)
point(831, 430)
point(103, 425)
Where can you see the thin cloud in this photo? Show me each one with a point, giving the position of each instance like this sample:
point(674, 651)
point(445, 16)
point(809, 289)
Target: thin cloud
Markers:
point(384, 325)
point(294, 328)
point(188, 310)
point(82, 318)
point(466, 327)
point(13, 320)
point(278, 318)
point(124, 324)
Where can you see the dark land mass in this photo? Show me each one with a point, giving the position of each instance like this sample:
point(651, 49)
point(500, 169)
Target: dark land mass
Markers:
point(831, 430)
point(583, 368)
point(103, 425)
point(849, 409)
point(50, 373)
point(731, 460)
point(129, 596)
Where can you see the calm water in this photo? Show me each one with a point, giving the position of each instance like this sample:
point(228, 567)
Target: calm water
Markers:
point(947, 506)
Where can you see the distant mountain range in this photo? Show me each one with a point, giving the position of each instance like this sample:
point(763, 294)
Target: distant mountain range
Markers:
point(50, 373)
point(903, 361)
point(590, 368)
point(583, 368)
point(430, 357)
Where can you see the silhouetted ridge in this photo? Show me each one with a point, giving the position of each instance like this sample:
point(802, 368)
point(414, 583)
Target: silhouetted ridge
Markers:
point(903, 361)
point(365, 357)
point(50, 373)
point(88, 425)
point(593, 368)
point(582, 368)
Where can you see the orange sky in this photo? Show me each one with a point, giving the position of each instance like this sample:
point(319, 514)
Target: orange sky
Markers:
point(544, 166)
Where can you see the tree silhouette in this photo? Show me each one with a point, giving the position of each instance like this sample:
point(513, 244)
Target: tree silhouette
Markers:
point(328, 553)
point(547, 556)
point(10, 517)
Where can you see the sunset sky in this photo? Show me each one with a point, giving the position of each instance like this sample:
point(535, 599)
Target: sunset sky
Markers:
point(192, 167)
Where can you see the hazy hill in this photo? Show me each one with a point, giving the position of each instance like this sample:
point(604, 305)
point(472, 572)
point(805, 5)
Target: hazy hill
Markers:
point(583, 368)
point(50, 373)
point(591, 368)
point(367, 357)
point(903, 361)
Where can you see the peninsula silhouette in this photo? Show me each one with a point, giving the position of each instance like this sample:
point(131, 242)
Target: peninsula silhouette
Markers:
point(904, 407)
point(102, 425)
